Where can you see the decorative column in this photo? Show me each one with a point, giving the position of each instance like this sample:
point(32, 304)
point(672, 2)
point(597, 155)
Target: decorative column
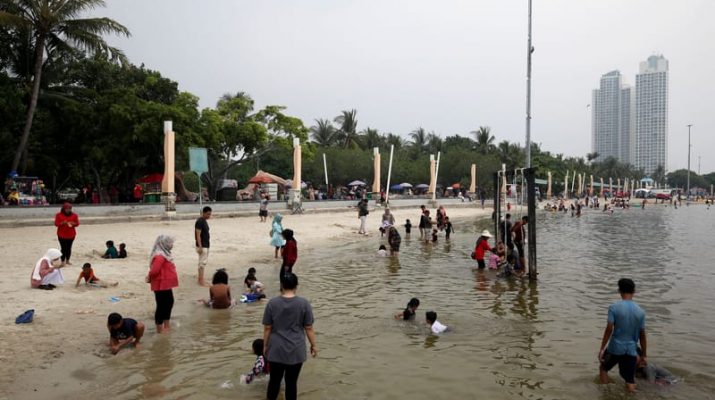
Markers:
point(548, 186)
point(297, 180)
point(473, 185)
point(376, 167)
point(167, 182)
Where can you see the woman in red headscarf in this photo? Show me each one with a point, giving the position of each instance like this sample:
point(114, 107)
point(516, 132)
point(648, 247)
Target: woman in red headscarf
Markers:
point(66, 221)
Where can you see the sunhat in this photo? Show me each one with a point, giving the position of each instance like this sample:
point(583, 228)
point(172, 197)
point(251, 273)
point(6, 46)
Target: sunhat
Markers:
point(486, 233)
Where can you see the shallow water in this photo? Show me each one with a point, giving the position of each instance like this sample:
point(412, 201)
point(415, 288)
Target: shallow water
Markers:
point(511, 339)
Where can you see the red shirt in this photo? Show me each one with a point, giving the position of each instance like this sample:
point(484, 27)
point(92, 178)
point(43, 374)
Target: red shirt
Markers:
point(290, 252)
point(88, 275)
point(64, 231)
point(518, 230)
point(482, 246)
point(162, 274)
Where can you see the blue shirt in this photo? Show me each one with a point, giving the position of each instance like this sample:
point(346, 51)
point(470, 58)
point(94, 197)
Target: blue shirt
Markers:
point(628, 320)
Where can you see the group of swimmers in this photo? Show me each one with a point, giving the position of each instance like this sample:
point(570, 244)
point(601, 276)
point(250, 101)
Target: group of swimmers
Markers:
point(410, 312)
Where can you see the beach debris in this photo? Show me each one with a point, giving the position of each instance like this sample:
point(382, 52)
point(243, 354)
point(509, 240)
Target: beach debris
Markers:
point(26, 317)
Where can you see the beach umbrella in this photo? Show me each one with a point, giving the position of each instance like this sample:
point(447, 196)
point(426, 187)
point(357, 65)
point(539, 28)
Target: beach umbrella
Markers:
point(473, 184)
point(259, 179)
point(548, 185)
point(405, 185)
point(376, 179)
point(356, 183)
point(396, 187)
point(422, 186)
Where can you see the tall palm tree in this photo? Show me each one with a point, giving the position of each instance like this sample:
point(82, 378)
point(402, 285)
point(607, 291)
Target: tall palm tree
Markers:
point(57, 27)
point(348, 128)
point(419, 139)
point(434, 142)
point(371, 138)
point(395, 140)
point(658, 174)
point(323, 133)
point(485, 140)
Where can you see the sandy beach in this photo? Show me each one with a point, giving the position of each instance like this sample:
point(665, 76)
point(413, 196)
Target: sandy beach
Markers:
point(71, 320)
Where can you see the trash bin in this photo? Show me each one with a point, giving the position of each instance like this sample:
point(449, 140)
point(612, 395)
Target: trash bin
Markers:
point(227, 194)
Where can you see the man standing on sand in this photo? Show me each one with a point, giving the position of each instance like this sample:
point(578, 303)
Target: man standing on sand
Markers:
point(201, 232)
point(626, 327)
point(263, 210)
point(362, 215)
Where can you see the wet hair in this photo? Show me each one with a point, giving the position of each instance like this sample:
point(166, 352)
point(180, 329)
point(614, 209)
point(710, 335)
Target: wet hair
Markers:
point(626, 286)
point(122, 245)
point(114, 318)
point(258, 347)
point(220, 277)
point(431, 316)
point(251, 278)
point(414, 302)
point(110, 243)
point(86, 265)
point(288, 234)
point(251, 271)
point(508, 216)
point(525, 218)
point(382, 247)
point(206, 209)
point(289, 281)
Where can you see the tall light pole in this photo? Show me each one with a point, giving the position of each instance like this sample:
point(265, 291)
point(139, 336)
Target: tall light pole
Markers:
point(529, 50)
point(698, 165)
point(687, 194)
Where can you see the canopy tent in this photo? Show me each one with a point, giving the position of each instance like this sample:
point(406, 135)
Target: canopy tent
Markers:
point(265, 177)
point(422, 186)
point(396, 187)
point(152, 178)
point(356, 183)
point(405, 185)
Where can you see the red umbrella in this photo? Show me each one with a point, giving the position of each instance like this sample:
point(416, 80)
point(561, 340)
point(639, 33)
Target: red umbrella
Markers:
point(152, 178)
point(260, 179)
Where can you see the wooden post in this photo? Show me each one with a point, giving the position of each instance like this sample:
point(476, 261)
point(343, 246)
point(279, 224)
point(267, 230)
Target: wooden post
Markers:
point(529, 174)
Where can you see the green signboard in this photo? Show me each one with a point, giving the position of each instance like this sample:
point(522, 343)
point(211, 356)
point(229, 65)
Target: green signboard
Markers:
point(198, 160)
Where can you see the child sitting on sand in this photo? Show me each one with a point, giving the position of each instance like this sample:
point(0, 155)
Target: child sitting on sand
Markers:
point(255, 287)
point(435, 326)
point(123, 331)
point(122, 250)
point(260, 366)
point(382, 251)
point(90, 279)
point(111, 250)
point(219, 292)
point(409, 312)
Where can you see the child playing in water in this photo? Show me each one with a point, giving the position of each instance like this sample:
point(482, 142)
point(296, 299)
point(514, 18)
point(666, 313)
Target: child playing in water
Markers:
point(508, 267)
point(123, 331)
point(409, 312)
point(408, 228)
point(652, 372)
point(434, 235)
point(219, 292)
point(448, 228)
point(90, 279)
point(122, 250)
point(435, 326)
point(256, 288)
point(251, 271)
point(382, 251)
point(260, 366)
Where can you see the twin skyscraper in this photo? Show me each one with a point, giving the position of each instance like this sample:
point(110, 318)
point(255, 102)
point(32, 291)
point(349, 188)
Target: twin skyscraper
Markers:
point(631, 125)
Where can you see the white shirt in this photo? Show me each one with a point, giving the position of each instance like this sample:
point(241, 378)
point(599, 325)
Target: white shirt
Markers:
point(382, 253)
point(437, 327)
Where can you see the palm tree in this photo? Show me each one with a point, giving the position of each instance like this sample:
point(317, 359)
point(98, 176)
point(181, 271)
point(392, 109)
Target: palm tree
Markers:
point(484, 139)
point(659, 174)
point(323, 133)
point(395, 140)
point(434, 142)
point(348, 128)
point(371, 138)
point(57, 26)
point(419, 139)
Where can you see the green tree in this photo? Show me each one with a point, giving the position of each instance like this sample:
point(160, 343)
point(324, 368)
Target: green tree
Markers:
point(658, 175)
point(419, 140)
point(485, 140)
point(323, 133)
point(56, 27)
point(347, 130)
point(372, 138)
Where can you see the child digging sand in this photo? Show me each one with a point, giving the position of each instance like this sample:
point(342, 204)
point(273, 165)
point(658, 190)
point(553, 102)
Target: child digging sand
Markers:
point(260, 366)
point(123, 332)
point(90, 279)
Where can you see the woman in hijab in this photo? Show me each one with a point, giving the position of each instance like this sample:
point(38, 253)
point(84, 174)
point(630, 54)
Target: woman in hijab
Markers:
point(277, 233)
point(163, 278)
point(66, 221)
point(47, 272)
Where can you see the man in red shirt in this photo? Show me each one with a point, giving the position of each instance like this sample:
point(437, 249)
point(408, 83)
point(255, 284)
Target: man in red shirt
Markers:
point(66, 221)
point(481, 247)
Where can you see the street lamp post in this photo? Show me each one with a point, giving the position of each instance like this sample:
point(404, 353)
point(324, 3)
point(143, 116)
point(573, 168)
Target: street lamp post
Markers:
point(688, 189)
point(529, 50)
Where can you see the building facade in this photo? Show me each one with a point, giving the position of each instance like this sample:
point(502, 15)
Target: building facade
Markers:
point(612, 119)
point(651, 141)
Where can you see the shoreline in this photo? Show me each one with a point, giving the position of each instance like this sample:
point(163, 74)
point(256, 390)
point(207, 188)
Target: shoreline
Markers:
point(70, 321)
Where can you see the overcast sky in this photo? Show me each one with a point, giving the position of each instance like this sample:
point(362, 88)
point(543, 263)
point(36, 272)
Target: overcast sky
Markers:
point(447, 66)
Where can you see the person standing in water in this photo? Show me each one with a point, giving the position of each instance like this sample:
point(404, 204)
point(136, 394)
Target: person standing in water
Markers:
point(624, 331)
point(66, 221)
point(362, 215)
point(163, 278)
point(277, 233)
point(201, 233)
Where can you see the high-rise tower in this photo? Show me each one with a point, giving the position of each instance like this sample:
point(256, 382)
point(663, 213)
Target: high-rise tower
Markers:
point(651, 139)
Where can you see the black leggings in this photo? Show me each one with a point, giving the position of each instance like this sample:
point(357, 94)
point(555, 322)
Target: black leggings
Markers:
point(291, 376)
point(285, 270)
point(66, 248)
point(164, 304)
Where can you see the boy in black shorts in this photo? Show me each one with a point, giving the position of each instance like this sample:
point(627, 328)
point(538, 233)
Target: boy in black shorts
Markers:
point(123, 331)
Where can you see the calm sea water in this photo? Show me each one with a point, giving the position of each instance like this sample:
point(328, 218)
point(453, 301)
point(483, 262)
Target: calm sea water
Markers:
point(511, 339)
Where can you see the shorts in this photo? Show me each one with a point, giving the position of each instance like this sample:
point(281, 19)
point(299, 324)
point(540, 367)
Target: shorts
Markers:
point(626, 365)
point(480, 264)
point(203, 258)
point(263, 213)
point(395, 248)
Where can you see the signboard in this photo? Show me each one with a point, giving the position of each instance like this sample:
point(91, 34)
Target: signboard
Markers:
point(198, 160)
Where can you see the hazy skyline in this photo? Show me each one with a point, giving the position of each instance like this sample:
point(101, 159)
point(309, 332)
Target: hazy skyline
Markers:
point(447, 66)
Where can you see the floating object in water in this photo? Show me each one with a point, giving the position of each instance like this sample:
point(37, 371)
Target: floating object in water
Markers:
point(114, 299)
